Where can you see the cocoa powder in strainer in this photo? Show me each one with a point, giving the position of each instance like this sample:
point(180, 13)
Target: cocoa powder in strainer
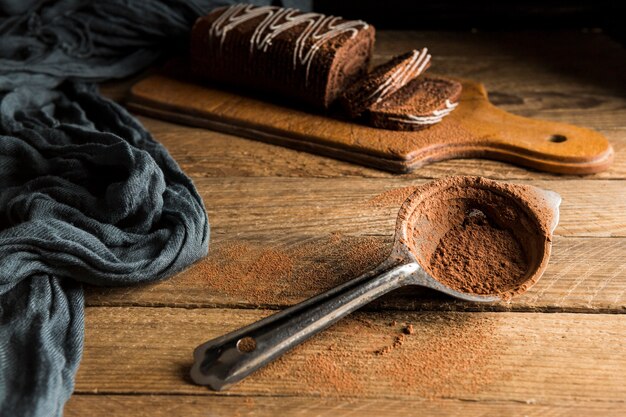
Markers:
point(479, 257)
point(479, 236)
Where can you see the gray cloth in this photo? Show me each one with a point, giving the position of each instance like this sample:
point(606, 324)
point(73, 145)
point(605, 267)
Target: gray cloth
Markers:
point(86, 194)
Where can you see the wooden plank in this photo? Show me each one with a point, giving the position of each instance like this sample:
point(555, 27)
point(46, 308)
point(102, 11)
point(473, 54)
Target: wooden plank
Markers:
point(542, 359)
point(585, 275)
point(274, 208)
point(532, 89)
point(556, 92)
point(338, 229)
point(214, 406)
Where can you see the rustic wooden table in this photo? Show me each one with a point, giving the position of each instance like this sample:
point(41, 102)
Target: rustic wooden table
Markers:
point(558, 349)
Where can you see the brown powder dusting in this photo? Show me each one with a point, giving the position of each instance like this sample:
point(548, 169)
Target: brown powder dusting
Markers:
point(449, 354)
point(327, 376)
point(478, 257)
point(410, 354)
point(391, 198)
point(242, 269)
point(397, 342)
point(285, 274)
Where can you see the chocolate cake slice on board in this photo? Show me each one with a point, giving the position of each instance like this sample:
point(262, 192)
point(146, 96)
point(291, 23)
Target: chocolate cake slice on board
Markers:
point(383, 81)
point(423, 102)
point(309, 58)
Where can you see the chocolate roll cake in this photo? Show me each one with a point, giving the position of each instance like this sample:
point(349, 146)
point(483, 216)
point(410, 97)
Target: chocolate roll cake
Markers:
point(307, 57)
point(383, 81)
point(424, 101)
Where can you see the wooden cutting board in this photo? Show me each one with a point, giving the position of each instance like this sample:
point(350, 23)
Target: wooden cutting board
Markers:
point(476, 129)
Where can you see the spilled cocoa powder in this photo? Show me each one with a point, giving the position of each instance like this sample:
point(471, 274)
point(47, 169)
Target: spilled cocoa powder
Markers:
point(285, 274)
point(449, 354)
point(397, 342)
point(323, 373)
point(391, 198)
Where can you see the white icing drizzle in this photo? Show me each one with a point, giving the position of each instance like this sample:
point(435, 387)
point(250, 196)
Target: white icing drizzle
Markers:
point(319, 29)
point(412, 69)
point(435, 117)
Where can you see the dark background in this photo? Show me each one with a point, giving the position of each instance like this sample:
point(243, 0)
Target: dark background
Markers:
point(610, 16)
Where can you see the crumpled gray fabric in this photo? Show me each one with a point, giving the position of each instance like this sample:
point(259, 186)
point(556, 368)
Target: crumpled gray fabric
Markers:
point(86, 194)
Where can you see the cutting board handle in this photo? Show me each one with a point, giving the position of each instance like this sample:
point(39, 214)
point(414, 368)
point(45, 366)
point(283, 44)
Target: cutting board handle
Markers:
point(540, 144)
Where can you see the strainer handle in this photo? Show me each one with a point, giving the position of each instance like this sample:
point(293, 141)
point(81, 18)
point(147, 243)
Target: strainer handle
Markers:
point(228, 359)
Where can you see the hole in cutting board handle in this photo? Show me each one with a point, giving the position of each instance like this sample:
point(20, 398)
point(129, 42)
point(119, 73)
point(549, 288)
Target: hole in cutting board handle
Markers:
point(557, 138)
point(246, 344)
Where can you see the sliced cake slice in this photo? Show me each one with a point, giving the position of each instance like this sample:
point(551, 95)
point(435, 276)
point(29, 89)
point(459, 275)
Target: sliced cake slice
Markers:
point(383, 81)
point(422, 102)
